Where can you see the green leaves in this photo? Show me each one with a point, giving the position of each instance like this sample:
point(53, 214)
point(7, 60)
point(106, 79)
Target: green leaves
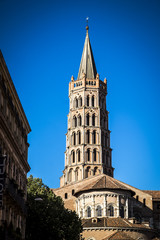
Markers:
point(47, 218)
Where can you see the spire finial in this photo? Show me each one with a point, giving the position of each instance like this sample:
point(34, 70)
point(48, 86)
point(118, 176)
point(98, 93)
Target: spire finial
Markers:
point(87, 18)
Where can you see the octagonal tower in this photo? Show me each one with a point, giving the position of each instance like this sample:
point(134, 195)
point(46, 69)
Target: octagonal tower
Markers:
point(88, 151)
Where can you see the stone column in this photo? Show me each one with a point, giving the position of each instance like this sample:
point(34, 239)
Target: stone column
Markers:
point(105, 206)
point(117, 205)
point(93, 206)
point(126, 208)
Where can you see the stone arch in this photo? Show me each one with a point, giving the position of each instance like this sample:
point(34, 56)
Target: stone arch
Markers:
point(70, 175)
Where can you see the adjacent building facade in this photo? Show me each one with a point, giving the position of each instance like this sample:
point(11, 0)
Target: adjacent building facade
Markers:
point(14, 129)
point(109, 208)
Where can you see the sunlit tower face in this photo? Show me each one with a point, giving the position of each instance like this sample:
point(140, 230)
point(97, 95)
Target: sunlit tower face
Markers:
point(88, 151)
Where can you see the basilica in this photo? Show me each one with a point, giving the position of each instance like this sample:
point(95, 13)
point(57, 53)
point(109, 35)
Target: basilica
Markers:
point(109, 208)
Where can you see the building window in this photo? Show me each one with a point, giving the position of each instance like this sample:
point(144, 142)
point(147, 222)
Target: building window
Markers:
point(88, 100)
point(94, 137)
point(87, 119)
point(92, 101)
point(80, 102)
point(79, 137)
point(99, 211)
point(79, 155)
point(88, 155)
point(122, 212)
point(74, 138)
point(73, 156)
point(66, 196)
point(79, 120)
point(76, 103)
point(88, 136)
point(74, 121)
point(88, 211)
point(93, 120)
point(144, 201)
point(111, 211)
point(94, 155)
point(137, 198)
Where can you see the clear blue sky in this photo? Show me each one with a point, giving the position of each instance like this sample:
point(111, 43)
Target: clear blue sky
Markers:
point(42, 43)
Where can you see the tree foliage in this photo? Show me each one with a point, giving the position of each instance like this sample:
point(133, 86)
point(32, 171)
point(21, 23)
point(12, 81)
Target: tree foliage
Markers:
point(47, 217)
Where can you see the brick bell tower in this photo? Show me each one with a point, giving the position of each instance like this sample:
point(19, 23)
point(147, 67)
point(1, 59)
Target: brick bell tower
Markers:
point(88, 151)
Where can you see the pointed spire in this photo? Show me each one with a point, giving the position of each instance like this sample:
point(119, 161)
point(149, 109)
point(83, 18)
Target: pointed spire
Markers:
point(87, 64)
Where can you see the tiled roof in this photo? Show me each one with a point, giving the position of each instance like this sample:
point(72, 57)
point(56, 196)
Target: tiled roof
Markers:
point(118, 235)
point(155, 194)
point(110, 222)
point(104, 182)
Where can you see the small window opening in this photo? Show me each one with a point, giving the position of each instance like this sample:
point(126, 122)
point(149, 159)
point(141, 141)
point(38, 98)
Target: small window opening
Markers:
point(66, 196)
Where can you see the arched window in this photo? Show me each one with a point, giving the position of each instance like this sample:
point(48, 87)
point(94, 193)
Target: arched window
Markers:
point(111, 211)
point(99, 211)
point(73, 156)
point(88, 136)
point(94, 155)
point(76, 103)
point(70, 175)
point(87, 119)
point(94, 137)
point(93, 120)
point(79, 137)
point(88, 100)
point(74, 121)
point(87, 172)
point(95, 171)
point(79, 120)
point(74, 138)
point(92, 101)
point(80, 102)
point(79, 155)
point(88, 211)
point(76, 174)
point(88, 155)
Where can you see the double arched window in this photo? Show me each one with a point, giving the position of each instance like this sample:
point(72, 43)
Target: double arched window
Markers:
point(78, 102)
